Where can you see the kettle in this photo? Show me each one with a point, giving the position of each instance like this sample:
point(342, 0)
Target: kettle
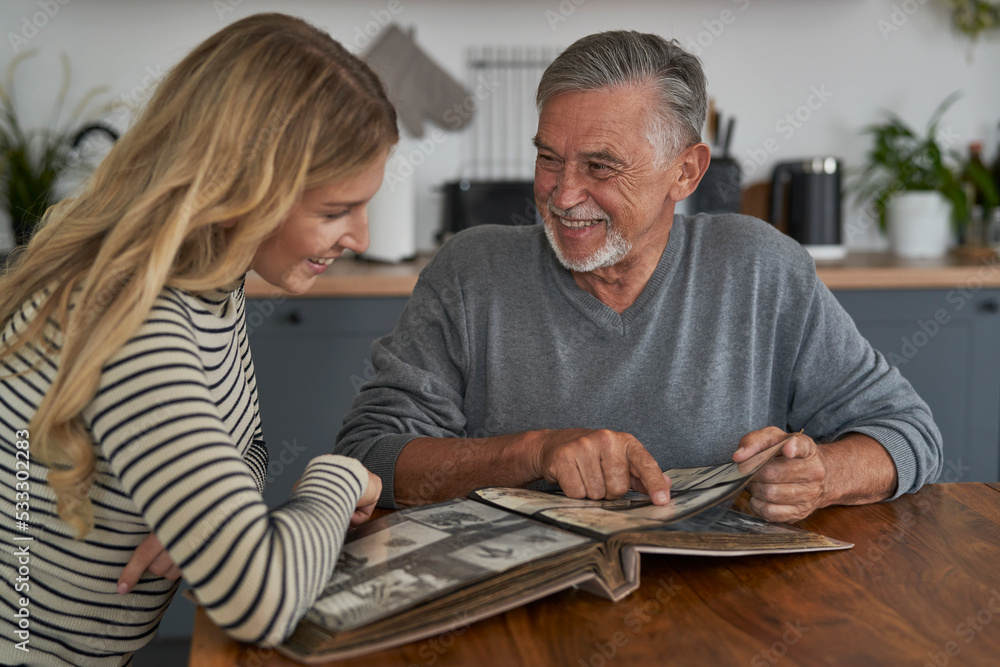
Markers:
point(805, 195)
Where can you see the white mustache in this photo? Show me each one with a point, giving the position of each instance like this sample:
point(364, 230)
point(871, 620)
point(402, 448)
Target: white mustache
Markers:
point(578, 212)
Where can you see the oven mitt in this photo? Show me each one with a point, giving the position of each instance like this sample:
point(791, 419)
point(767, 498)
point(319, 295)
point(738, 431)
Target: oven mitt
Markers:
point(418, 88)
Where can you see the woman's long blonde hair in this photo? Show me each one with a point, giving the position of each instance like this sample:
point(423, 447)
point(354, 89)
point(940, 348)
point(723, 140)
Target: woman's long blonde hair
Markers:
point(262, 110)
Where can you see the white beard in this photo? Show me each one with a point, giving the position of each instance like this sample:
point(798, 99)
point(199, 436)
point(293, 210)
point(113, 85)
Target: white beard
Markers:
point(614, 250)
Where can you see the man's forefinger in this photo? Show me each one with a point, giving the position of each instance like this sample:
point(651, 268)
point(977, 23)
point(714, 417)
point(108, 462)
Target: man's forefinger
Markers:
point(645, 469)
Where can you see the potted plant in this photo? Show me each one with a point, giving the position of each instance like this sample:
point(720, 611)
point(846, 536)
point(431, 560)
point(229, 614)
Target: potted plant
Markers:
point(973, 17)
point(33, 159)
point(914, 186)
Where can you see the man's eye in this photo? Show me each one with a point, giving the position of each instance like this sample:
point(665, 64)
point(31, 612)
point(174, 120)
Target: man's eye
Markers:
point(547, 160)
point(335, 215)
point(600, 169)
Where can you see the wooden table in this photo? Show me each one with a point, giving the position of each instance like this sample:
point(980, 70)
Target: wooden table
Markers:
point(920, 587)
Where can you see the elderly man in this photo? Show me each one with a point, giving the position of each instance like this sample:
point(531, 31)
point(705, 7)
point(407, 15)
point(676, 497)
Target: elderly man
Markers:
point(619, 339)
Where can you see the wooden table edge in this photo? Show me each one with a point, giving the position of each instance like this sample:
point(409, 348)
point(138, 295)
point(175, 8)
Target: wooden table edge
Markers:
point(211, 647)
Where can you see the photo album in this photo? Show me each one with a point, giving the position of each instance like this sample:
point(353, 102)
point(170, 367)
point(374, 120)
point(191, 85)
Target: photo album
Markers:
point(425, 570)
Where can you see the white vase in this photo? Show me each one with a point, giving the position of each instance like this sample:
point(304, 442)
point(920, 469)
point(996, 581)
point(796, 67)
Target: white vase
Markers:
point(392, 221)
point(919, 224)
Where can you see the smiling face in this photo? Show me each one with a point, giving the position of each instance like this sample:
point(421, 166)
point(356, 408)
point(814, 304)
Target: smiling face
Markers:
point(603, 194)
point(326, 221)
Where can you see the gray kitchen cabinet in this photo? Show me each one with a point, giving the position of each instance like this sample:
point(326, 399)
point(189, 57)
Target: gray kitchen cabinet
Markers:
point(947, 344)
point(310, 357)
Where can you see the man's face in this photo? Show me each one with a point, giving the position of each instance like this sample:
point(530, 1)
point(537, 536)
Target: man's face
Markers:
point(602, 195)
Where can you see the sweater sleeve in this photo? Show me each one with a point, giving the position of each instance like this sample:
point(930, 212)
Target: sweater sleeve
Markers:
point(256, 459)
point(419, 379)
point(256, 454)
point(842, 385)
point(256, 571)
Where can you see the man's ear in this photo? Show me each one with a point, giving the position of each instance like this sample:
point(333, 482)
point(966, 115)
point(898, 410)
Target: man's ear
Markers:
point(689, 168)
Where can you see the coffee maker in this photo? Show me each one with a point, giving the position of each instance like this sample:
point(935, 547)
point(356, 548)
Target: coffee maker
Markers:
point(806, 204)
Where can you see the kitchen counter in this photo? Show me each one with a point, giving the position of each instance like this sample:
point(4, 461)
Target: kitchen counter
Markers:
point(878, 271)
point(858, 271)
point(352, 278)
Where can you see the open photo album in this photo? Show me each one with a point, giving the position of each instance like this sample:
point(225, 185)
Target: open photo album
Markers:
point(425, 570)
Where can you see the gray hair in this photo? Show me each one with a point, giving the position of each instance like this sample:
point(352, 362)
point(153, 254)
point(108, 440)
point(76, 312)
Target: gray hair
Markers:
point(628, 58)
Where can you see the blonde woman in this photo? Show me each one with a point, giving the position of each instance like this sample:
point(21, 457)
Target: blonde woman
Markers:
point(128, 404)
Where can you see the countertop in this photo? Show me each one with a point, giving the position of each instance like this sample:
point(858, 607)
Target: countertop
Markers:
point(858, 271)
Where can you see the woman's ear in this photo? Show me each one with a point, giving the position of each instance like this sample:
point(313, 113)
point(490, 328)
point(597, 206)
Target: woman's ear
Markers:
point(689, 168)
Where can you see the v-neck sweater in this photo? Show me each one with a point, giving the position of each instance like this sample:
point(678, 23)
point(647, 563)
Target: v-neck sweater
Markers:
point(732, 332)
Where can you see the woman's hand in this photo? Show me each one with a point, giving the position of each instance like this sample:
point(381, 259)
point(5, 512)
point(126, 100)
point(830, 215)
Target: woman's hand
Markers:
point(366, 503)
point(149, 556)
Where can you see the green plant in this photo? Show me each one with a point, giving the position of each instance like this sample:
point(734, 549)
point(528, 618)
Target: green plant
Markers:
point(900, 160)
point(972, 17)
point(32, 159)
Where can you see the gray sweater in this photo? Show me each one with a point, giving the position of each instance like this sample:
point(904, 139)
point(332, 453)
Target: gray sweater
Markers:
point(732, 333)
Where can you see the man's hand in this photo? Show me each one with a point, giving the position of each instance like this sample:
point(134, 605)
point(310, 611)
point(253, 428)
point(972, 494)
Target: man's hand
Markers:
point(366, 503)
point(151, 556)
point(804, 476)
point(793, 484)
point(599, 464)
point(585, 463)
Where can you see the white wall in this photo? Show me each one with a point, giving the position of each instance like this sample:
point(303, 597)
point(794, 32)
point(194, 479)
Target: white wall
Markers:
point(765, 59)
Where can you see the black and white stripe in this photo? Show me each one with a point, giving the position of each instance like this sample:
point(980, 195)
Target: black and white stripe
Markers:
point(180, 451)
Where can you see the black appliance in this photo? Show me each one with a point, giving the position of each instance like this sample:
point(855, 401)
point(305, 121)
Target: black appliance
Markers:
point(719, 190)
point(468, 203)
point(806, 203)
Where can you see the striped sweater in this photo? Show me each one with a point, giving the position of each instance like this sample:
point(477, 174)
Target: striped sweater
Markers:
point(180, 452)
